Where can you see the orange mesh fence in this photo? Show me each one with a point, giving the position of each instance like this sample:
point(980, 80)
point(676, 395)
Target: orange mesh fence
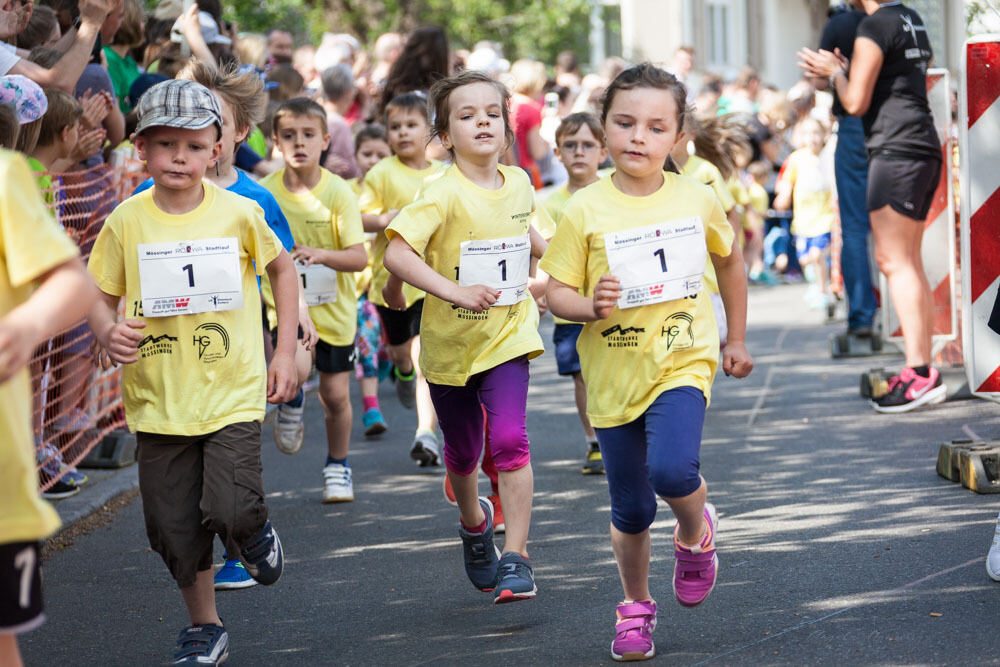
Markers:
point(75, 403)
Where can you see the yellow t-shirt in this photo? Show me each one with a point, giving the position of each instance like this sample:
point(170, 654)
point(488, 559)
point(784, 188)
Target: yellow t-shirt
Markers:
point(548, 220)
point(196, 373)
point(355, 185)
point(391, 185)
point(812, 204)
point(636, 354)
point(31, 244)
point(457, 343)
point(759, 200)
point(325, 217)
point(706, 172)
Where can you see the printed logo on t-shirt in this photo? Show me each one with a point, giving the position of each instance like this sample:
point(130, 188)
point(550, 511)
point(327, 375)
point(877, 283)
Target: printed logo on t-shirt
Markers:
point(466, 314)
point(153, 345)
point(212, 341)
point(616, 336)
point(678, 331)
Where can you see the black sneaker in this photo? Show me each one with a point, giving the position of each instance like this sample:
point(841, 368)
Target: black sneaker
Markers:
point(202, 645)
point(516, 579)
point(480, 554)
point(593, 464)
point(60, 490)
point(263, 557)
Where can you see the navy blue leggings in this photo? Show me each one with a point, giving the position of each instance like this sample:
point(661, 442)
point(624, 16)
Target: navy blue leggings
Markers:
point(655, 455)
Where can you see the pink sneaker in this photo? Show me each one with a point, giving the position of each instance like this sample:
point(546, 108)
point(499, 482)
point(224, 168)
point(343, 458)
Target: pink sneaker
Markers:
point(634, 631)
point(695, 567)
point(909, 391)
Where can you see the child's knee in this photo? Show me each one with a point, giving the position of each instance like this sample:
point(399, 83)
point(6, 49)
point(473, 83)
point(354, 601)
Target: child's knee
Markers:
point(634, 516)
point(674, 478)
point(335, 390)
point(461, 461)
point(509, 446)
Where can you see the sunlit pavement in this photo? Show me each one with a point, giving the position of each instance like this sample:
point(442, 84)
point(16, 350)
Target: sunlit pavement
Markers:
point(838, 542)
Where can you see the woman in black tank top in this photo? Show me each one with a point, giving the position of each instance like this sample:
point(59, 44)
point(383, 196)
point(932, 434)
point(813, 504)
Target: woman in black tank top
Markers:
point(885, 84)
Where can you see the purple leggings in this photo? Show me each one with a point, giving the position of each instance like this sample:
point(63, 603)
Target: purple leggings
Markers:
point(503, 392)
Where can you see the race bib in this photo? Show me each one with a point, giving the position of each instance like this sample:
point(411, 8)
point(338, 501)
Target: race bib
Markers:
point(502, 264)
point(658, 263)
point(319, 282)
point(185, 277)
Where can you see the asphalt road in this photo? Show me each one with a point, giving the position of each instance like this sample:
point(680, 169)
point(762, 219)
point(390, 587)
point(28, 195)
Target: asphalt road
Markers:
point(838, 542)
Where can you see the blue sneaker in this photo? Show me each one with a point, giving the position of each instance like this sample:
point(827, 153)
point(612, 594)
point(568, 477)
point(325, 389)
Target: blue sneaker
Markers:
point(74, 477)
point(516, 579)
point(480, 554)
point(202, 645)
point(263, 557)
point(374, 422)
point(232, 576)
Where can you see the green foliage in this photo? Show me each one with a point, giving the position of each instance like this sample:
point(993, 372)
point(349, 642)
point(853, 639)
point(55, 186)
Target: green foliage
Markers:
point(526, 28)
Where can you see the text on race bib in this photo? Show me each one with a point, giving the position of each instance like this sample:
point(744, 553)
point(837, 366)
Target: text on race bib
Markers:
point(185, 277)
point(657, 263)
point(319, 283)
point(502, 264)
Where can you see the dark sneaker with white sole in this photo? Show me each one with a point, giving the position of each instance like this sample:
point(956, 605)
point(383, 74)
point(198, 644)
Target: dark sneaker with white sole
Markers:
point(480, 554)
point(516, 579)
point(202, 645)
point(909, 391)
point(263, 557)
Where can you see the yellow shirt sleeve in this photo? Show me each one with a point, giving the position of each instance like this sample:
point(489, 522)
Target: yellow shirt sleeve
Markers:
point(566, 257)
point(107, 259)
point(417, 223)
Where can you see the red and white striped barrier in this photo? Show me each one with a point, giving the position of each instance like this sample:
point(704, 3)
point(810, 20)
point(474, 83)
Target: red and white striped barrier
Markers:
point(938, 247)
point(979, 136)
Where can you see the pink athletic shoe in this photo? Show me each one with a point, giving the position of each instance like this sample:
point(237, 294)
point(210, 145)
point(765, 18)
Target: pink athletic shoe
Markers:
point(695, 567)
point(634, 631)
point(908, 391)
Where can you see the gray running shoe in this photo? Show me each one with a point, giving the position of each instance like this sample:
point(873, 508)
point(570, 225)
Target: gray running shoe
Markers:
point(480, 554)
point(202, 645)
point(406, 388)
point(425, 450)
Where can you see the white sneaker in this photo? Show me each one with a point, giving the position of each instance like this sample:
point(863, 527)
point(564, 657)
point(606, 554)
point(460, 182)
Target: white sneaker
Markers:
point(425, 450)
point(993, 557)
point(289, 431)
point(337, 484)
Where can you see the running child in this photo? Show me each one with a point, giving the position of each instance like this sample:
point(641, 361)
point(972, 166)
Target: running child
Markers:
point(323, 214)
point(581, 148)
point(44, 289)
point(388, 187)
point(194, 380)
point(642, 227)
point(241, 101)
point(467, 242)
point(805, 189)
point(371, 146)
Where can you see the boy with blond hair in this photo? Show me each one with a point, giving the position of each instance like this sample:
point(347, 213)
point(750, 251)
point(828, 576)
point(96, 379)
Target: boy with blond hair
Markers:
point(183, 255)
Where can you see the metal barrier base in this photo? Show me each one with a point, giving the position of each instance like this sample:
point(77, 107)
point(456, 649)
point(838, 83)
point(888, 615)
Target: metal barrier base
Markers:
point(116, 450)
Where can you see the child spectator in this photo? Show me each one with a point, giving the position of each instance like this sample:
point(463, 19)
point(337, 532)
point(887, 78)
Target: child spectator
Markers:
point(758, 174)
point(122, 68)
point(45, 289)
point(199, 450)
point(479, 328)
point(328, 253)
point(581, 148)
point(649, 420)
point(388, 187)
point(372, 146)
point(805, 189)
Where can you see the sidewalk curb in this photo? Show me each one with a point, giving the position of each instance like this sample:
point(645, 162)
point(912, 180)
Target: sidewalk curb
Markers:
point(104, 486)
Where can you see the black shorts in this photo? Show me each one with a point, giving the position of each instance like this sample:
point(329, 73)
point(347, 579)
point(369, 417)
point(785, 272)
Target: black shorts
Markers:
point(329, 358)
point(907, 185)
point(401, 325)
point(21, 607)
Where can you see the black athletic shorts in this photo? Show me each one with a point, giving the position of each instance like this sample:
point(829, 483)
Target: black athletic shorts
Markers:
point(21, 607)
point(329, 358)
point(907, 185)
point(401, 325)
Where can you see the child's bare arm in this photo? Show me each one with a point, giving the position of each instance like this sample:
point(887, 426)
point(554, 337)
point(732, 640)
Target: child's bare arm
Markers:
point(404, 262)
point(733, 289)
point(62, 298)
point(377, 222)
point(119, 339)
point(282, 381)
point(782, 195)
point(567, 302)
point(538, 243)
point(351, 258)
